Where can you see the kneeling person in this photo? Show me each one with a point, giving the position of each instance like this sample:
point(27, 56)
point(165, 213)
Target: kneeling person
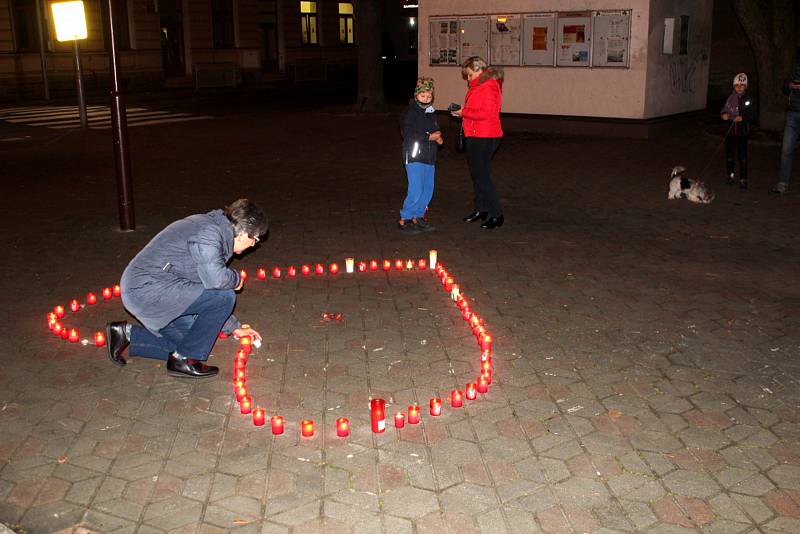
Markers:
point(182, 291)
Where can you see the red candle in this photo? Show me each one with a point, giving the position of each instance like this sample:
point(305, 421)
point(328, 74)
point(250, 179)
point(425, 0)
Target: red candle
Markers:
point(387, 265)
point(342, 427)
point(373, 265)
point(91, 298)
point(474, 320)
point(259, 417)
point(73, 336)
point(399, 420)
point(247, 344)
point(261, 273)
point(378, 415)
point(456, 398)
point(239, 365)
point(238, 383)
point(398, 265)
point(466, 313)
point(486, 343)
point(57, 328)
point(486, 365)
point(240, 375)
point(243, 275)
point(116, 290)
point(486, 355)
point(334, 268)
point(488, 374)
point(362, 266)
point(306, 270)
point(422, 264)
point(307, 428)
point(319, 268)
point(291, 271)
point(59, 311)
point(99, 339)
point(246, 406)
point(52, 320)
point(413, 414)
point(276, 272)
point(107, 294)
point(277, 424)
point(436, 406)
point(74, 305)
point(483, 384)
point(472, 391)
point(65, 333)
point(448, 283)
point(241, 392)
point(241, 354)
point(478, 331)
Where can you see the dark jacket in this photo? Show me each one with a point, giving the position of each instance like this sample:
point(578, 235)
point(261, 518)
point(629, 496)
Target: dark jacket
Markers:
point(794, 94)
point(174, 268)
point(743, 105)
point(481, 111)
point(416, 124)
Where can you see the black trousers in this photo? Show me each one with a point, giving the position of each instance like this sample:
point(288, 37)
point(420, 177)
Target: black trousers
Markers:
point(479, 159)
point(736, 146)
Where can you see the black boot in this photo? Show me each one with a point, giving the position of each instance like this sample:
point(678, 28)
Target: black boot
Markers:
point(476, 215)
point(493, 222)
point(185, 368)
point(116, 342)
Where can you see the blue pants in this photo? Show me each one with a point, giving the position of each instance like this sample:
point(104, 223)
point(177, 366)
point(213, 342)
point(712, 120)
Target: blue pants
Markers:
point(192, 334)
point(420, 190)
point(791, 135)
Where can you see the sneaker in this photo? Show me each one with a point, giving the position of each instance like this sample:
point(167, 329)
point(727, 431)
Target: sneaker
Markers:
point(780, 188)
point(731, 179)
point(424, 226)
point(408, 227)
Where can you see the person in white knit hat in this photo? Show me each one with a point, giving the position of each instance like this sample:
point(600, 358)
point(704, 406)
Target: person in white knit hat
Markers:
point(740, 111)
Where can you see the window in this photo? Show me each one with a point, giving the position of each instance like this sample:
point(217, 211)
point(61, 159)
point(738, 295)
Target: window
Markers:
point(346, 23)
point(121, 28)
point(26, 33)
point(308, 23)
point(222, 23)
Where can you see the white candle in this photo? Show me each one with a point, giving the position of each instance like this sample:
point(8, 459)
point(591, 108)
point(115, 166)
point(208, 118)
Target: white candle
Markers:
point(455, 292)
point(432, 257)
point(349, 264)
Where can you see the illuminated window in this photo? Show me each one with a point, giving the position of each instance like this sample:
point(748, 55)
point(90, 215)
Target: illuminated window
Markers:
point(346, 21)
point(308, 23)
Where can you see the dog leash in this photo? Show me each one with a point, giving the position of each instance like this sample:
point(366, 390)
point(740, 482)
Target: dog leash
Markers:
point(711, 159)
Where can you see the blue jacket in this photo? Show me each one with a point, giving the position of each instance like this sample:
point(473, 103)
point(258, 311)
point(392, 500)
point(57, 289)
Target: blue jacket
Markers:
point(185, 258)
point(416, 124)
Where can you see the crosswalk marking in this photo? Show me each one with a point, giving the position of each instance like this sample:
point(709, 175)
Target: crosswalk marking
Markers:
point(99, 117)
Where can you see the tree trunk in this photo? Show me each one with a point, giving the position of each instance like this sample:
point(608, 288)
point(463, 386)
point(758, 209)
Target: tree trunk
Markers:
point(370, 69)
point(772, 29)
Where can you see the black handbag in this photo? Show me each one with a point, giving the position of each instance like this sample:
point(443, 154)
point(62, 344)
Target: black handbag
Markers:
point(460, 141)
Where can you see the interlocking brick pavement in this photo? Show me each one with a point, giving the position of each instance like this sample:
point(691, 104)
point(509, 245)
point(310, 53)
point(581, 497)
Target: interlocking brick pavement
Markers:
point(646, 351)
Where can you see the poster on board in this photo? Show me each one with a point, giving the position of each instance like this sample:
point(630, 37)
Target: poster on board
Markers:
point(612, 37)
point(444, 41)
point(574, 40)
point(505, 32)
point(539, 39)
point(474, 37)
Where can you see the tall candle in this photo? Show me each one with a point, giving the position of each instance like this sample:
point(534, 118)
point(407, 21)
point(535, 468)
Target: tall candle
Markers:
point(74, 305)
point(378, 415)
point(246, 405)
point(99, 339)
point(73, 336)
point(373, 265)
point(455, 292)
point(259, 417)
point(116, 290)
point(319, 268)
point(432, 257)
point(306, 270)
point(334, 268)
point(456, 398)
point(107, 294)
point(362, 266)
point(413, 414)
point(349, 265)
point(91, 298)
point(471, 392)
point(291, 271)
point(307, 428)
point(277, 424)
point(59, 311)
point(436, 406)
point(399, 420)
point(342, 427)
point(261, 273)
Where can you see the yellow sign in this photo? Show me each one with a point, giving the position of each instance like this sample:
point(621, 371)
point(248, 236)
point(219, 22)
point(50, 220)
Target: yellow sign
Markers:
point(70, 20)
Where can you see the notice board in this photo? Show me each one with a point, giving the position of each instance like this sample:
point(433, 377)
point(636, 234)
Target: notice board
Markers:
point(505, 39)
point(474, 37)
point(539, 39)
point(574, 40)
point(612, 39)
point(444, 41)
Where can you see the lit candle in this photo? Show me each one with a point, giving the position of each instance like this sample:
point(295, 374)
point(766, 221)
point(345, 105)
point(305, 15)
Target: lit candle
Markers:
point(246, 343)
point(57, 328)
point(466, 313)
point(448, 283)
point(116, 291)
point(409, 264)
point(319, 268)
point(413, 414)
point(65, 333)
point(486, 365)
point(307, 428)
point(241, 393)
point(342, 427)
point(399, 420)
point(107, 294)
point(398, 265)
point(277, 424)
point(456, 398)
point(455, 292)
point(472, 391)
point(474, 320)
point(59, 311)
point(73, 336)
point(436, 406)
point(238, 383)
point(259, 417)
point(91, 298)
point(291, 271)
point(362, 266)
point(243, 275)
point(486, 343)
point(306, 270)
point(373, 265)
point(239, 365)
point(334, 268)
point(422, 264)
point(99, 339)
point(478, 331)
point(387, 265)
point(246, 405)
point(378, 415)
point(349, 265)
point(276, 272)
point(486, 355)
point(240, 375)
point(261, 273)
point(483, 384)
point(52, 320)
point(488, 374)
point(432, 257)
point(74, 305)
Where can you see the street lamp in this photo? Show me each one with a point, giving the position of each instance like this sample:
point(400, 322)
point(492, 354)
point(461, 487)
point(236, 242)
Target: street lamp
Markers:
point(70, 21)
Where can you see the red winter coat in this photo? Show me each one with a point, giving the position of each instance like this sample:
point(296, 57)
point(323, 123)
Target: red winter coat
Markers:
point(481, 111)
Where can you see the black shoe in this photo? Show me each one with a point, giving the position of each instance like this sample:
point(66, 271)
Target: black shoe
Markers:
point(731, 179)
point(186, 368)
point(743, 185)
point(116, 342)
point(493, 222)
point(407, 226)
point(475, 215)
point(423, 225)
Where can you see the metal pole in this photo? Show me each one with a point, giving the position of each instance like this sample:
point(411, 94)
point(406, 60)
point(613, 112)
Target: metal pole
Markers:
point(41, 50)
point(79, 85)
point(119, 128)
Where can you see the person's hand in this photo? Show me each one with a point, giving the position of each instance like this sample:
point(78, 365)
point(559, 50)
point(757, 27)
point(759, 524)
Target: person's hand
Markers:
point(725, 117)
point(738, 119)
point(246, 330)
point(435, 136)
point(456, 113)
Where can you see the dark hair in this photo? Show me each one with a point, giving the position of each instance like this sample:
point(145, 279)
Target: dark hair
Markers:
point(247, 217)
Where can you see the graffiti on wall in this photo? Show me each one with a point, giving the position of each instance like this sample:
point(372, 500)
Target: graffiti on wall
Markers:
point(682, 72)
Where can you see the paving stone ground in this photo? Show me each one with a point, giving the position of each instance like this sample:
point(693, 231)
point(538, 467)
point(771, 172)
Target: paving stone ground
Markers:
point(646, 351)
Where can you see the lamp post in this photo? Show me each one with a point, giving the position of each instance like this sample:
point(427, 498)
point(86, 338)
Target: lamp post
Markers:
point(70, 21)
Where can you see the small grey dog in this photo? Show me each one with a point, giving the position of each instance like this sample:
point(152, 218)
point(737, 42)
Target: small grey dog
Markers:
point(688, 188)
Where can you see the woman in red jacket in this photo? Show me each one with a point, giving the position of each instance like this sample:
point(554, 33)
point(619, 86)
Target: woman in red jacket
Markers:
point(482, 132)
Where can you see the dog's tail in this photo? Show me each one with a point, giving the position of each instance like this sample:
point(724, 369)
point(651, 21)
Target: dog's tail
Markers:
point(677, 171)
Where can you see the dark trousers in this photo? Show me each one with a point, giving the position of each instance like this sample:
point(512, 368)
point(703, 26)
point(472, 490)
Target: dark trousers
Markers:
point(479, 159)
point(192, 334)
point(736, 147)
